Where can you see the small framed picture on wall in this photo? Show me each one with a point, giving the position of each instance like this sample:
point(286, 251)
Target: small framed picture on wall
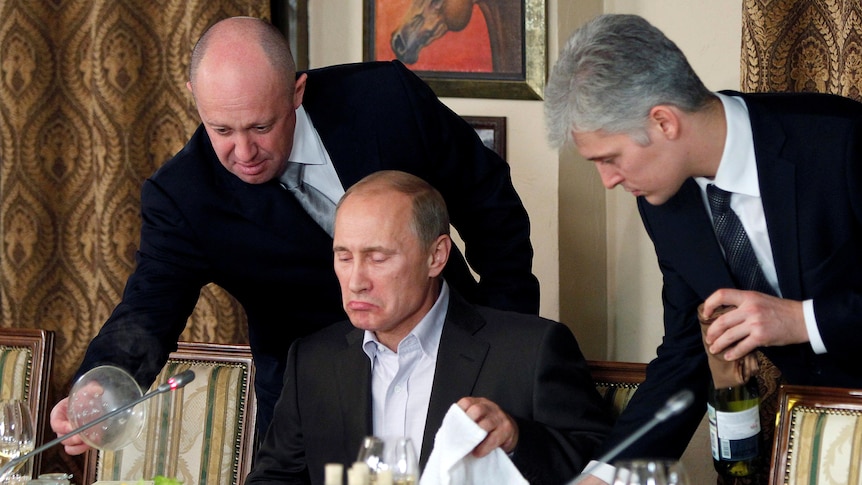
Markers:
point(491, 130)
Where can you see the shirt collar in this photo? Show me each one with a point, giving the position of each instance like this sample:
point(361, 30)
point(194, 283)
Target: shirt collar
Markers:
point(427, 332)
point(737, 170)
point(306, 143)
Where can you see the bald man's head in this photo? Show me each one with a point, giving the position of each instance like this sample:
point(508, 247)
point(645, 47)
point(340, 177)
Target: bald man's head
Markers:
point(240, 36)
point(244, 84)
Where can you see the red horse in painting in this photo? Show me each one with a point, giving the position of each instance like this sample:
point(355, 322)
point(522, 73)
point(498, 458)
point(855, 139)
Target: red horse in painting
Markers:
point(427, 20)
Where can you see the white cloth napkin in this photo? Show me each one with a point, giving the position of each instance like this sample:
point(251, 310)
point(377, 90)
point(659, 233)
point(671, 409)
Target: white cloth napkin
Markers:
point(451, 463)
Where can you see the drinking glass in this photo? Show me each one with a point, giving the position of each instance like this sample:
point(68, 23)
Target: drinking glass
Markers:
point(650, 472)
point(100, 391)
point(389, 459)
point(371, 453)
point(400, 456)
point(16, 439)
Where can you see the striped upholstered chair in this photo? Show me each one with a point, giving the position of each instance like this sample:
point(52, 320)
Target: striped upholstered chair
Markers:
point(26, 357)
point(201, 434)
point(818, 440)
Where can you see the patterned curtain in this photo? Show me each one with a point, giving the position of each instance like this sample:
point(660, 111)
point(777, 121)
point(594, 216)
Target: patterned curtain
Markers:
point(92, 101)
point(802, 45)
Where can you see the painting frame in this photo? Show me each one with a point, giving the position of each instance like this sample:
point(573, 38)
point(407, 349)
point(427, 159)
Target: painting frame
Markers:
point(491, 130)
point(291, 18)
point(528, 84)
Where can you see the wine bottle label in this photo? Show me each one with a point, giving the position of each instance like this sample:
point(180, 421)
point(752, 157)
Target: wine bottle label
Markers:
point(733, 435)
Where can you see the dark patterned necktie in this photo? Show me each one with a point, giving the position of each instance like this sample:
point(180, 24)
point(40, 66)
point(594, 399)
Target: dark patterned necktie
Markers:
point(318, 206)
point(749, 276)
point(737, 247)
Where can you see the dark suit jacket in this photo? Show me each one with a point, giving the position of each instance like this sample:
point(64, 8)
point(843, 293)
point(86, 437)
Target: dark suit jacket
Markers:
point(201, 225)
point(531, 367)
point(809, 160)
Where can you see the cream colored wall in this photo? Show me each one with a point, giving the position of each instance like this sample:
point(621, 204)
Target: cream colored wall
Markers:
point(609, 291)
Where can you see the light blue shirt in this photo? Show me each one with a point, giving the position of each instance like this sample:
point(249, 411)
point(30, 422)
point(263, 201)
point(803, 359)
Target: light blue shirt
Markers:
point(737, 173)
point(401, 381)
point(308, 150)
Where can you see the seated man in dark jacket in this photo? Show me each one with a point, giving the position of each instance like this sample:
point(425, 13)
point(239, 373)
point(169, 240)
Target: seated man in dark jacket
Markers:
point(413, 347)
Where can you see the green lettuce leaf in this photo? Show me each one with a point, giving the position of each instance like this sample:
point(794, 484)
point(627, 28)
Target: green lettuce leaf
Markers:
point(160, 480)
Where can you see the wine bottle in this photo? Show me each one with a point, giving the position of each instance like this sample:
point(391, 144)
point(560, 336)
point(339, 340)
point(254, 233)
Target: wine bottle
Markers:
point(734, 428)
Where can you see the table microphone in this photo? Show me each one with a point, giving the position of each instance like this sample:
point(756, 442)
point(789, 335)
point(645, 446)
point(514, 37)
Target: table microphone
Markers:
point(175, 382)
point(673, 406)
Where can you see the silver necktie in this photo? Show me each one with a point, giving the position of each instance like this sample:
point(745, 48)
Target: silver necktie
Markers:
point(315, 203)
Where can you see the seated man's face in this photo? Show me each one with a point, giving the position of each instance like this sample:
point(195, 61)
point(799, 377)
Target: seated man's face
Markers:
point(386, 275)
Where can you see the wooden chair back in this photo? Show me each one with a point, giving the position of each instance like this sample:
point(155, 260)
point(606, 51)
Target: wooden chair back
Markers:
point(617, 381)
point(26, 360)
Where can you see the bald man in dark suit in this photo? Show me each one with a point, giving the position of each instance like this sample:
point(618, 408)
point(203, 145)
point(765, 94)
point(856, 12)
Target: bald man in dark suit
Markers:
point(218, 213)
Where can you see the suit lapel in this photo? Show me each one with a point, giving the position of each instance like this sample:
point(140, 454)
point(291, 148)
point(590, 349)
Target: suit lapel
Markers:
point(459, 360)
point(354, 391)
point(777, 179)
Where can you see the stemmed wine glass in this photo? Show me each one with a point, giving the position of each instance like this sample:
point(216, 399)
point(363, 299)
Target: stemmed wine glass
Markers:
point(16, 439)
point(401, 457)
point(392, 457)
point(371, 453)
point(650, 472)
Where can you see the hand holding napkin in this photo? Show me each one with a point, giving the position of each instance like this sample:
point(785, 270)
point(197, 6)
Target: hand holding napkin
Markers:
point(726, 373)
point(451, 463)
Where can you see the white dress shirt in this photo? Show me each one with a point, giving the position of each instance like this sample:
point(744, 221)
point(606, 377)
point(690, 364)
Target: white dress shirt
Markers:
point(308, 150)
point(737, 173)
point(401, 381)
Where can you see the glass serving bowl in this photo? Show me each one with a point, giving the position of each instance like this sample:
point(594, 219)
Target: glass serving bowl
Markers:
point(98, 392)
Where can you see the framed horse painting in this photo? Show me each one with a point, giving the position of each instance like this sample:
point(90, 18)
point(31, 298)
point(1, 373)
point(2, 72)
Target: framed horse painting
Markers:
point(463, 48)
